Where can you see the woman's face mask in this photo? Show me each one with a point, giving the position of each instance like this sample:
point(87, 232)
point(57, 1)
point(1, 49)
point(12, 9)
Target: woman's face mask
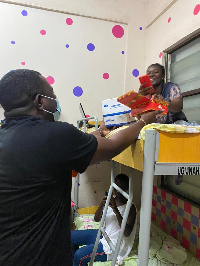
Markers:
point(57, 113)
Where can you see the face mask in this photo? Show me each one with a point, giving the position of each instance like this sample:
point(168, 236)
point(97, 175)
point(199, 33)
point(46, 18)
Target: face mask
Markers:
point(57, 113)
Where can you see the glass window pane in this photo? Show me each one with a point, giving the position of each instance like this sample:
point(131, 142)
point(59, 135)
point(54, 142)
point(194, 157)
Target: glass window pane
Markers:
point(186, 50)
point(189, 85)
point(187, 62)
point(185, 66)
point(191, 108)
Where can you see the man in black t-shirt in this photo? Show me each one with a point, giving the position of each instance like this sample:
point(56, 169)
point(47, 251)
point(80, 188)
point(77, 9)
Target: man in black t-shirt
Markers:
point(37, 154)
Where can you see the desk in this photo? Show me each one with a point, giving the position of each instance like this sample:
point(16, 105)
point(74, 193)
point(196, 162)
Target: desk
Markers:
point(160, 153)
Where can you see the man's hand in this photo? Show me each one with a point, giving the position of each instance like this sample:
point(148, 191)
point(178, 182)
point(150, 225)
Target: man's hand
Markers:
point(106, 130)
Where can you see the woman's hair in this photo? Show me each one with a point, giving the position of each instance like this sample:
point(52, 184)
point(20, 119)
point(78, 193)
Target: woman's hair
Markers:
point(160, 66)
point(124, 181)
point(19, 87)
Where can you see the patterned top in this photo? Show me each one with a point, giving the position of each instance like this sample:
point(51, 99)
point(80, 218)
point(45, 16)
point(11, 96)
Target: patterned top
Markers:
point(169, 92)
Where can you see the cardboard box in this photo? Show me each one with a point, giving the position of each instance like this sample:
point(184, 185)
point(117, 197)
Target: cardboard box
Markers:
point(115, 113)
point(140, 104)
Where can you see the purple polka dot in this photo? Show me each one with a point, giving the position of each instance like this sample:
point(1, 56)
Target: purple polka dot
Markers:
point(90, 47)
point(24, 13)
point(12, 42)
point(67, 45)
point(140, 28)
point(135, 72)
point(123, 52)
point(78, 184)
point(77, 91)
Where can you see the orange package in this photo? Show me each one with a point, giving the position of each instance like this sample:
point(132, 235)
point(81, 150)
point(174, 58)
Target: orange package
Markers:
point(140, 104)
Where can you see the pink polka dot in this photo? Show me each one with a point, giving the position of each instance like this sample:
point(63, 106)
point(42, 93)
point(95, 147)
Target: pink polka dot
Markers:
point(118, 31)
point(160, 55)
point(23, 63)
point(196, 9)
point(50, 80)
point(43, 32)
point(105, 75)
point(87, 116)
point(169, 19)
point(69, 21)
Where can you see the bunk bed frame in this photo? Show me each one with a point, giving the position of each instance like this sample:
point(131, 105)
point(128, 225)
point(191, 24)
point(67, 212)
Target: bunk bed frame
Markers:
point(161, 152)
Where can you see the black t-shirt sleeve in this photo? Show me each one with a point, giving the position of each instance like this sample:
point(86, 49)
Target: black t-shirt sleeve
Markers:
point(70, 146)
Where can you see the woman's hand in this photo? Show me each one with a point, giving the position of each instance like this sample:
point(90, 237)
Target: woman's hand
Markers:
point(144, 91)
point(99, 211)
point(113, 205)
point(149, 117)
point(103, 202)
point(159, 97)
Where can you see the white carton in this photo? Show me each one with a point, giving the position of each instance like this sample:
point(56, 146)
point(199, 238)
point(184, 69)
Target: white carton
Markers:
point(116, 113)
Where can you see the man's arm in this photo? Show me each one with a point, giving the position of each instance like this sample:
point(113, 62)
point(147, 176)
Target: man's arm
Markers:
point(109, 148)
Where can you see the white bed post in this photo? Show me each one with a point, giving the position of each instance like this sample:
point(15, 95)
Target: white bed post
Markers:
point(146, 198)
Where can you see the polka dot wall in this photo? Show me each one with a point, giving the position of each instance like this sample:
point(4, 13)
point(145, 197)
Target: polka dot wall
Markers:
point(85, 54)
point(77, 52)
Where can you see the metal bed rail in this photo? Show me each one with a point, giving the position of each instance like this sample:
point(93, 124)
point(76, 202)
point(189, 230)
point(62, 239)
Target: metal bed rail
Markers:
point(129, 197)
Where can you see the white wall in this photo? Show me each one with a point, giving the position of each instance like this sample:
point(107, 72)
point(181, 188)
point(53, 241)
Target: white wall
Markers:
point(155, 9)
point(162, 34)
point(130, 12)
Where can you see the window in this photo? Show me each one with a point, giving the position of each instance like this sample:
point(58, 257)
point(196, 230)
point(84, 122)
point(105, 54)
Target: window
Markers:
point(183, 68)
point(182, 62)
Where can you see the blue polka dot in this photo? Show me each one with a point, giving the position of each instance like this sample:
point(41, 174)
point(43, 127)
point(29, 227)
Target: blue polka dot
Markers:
point(123, 52)
point(12, 42)
point(24, 13)
point(90, 47)
point(140, 28)
point(135, 72)
point(67, 45)
point(78, 91)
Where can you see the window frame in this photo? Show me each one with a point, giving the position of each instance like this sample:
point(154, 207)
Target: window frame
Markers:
point(167, 53)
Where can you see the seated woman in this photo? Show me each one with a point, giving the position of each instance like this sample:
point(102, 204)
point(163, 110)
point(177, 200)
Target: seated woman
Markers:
point(113, 222)
point(169, 92)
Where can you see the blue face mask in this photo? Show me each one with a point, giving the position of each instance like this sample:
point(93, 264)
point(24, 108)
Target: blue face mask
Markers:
point(57, 113)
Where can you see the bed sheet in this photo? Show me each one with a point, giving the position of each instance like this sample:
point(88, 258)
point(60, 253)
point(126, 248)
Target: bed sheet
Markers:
point(164, 250)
